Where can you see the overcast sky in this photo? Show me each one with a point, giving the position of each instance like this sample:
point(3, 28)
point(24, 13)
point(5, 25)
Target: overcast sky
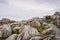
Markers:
point(25, 9)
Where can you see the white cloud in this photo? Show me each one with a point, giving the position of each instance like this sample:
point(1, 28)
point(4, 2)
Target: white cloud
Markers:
point(24, 9)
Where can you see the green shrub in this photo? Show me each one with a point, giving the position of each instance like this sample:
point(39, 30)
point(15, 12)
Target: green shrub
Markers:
point(15, 31)
point(49, 19)
point(42, 28)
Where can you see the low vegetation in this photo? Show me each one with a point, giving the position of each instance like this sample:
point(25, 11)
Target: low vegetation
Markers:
point(42, 28)
point(49, 19)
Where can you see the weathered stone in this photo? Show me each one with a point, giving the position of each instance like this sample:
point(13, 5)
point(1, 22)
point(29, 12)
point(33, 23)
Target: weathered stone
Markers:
point(12, 37)
point(25, 29)
point(36, 38)
point(6, 30)
point(27, 32)
point(34, 24)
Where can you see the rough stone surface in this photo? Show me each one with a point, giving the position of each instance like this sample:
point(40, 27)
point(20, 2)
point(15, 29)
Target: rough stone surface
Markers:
point(6, 30)
point(12, 37)
point(34, 23)
point(36, 38)
point(28, 32)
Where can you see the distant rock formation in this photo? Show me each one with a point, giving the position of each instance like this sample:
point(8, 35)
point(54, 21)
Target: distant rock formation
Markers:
point(56, 19)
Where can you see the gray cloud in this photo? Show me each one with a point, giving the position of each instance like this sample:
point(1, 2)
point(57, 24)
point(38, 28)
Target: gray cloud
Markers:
point(25, 9)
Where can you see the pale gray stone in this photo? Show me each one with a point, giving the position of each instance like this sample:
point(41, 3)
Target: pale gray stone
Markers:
point(6, 30)
point(28, 32)
point(12, 37)
point(36, 38)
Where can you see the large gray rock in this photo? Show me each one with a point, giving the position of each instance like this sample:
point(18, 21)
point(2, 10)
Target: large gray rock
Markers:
point(6, 30)
point(30, 30)
point(34, 23)
point(12, 37)
point(27, 32)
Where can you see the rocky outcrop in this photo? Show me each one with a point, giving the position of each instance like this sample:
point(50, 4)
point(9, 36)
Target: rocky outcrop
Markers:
point(56, 18)
point(25, 29)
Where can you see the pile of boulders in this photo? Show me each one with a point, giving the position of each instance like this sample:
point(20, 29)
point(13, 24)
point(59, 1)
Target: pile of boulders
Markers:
point(24, 30)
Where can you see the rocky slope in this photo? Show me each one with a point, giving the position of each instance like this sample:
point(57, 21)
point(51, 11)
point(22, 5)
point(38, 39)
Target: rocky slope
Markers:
point(32, 29)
